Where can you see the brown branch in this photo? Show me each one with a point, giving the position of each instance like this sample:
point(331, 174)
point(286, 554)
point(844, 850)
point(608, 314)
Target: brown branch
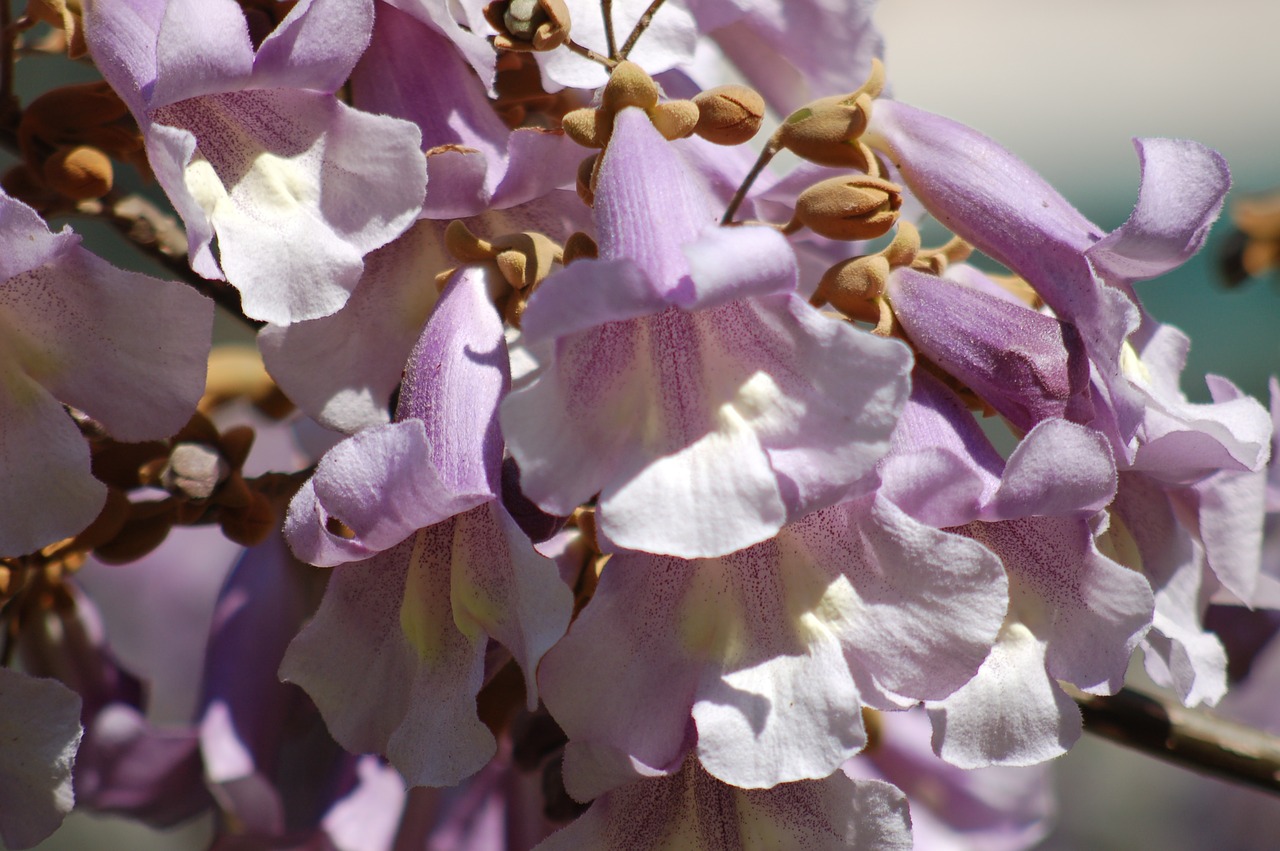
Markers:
point(1191, 738)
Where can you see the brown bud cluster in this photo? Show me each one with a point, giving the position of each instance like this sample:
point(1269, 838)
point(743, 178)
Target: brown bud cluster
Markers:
point(522, 260)
point(527, 25)
point(853, 208)
point(729, 115)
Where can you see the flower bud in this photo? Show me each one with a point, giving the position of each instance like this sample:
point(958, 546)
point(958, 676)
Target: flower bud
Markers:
point(528, 24)
point(675, 119)
point(852, 208)
point(587, 180)
point(628, 85)
point(850, 284)
point(78, 173)
point(826, 132)
point(729, 115)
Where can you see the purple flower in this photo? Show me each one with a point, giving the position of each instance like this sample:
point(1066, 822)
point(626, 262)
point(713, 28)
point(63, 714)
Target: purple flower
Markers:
point(441, 565)
point(252, 147)
point(125, 349)
point(684, 381)
point(40, 730)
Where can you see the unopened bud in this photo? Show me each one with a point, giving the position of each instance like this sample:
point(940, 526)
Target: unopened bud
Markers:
point(528, 24)
point(579, 246)
point(675, 119)
point(729, 115)
point(851, 208)
point(852, 286)
point(78, 173)
point(826, 132)
point(628, 85)
point(194, 471)
point(525, 259)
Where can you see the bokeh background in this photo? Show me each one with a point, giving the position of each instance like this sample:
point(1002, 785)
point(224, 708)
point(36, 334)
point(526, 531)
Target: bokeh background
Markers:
point(1065, 86)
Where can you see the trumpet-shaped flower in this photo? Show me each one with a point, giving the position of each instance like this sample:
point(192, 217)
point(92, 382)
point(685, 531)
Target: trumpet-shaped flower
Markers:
point(687, 384)
point(254, 150)
point(126, 349)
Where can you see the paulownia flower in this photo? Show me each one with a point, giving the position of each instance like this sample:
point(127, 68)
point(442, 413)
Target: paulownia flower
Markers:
point(440, 564)
point(253, 148)
point(686, 383)
point(126, 349)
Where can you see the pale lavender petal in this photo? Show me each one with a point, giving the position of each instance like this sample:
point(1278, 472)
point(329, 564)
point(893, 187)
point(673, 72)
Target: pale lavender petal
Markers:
point(942, 468)
point(382, 485)
point(921, 606)
point(1090, 611)
point(587, 294)
point(202, 47)
point(504, 588)
point(28, 242)
point(293, 250)
point(122, 39)
point(368, 818)
point(1011, 713)
point(646, 219)
point(1026, 365)
point(692, 810)
point(732, 263)
point(315, 46)
point(468, 34)
point(1230, 511)
point(127, 349)
point(1183, 184)
point(342, 369)
point(1179, 652)
point(1059, 468)
point(41, 730)
point(389, 621)
point(47, 495)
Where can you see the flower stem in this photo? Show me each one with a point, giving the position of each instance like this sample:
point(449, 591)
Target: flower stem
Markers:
point(588, 53)
point(611, 41)
point(640, 27)
point(770, 150)
point(1191, 738)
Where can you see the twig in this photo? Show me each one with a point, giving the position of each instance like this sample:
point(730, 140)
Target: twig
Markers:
point(611, 42)
point(640, 27)
point(1191, 738)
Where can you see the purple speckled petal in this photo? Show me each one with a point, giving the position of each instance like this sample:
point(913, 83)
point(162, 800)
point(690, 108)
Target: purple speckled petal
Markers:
point(389, 620)
point(40, 726)
point(692, 810)
point(122, 40)
point(1026, 365)
point(127, 349)
point(1183, 184)
point(315, 46)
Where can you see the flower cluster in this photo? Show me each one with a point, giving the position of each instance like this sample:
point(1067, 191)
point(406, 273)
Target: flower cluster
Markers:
point(654, 484)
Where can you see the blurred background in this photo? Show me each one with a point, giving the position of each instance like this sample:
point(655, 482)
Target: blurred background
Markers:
point(1065, 86)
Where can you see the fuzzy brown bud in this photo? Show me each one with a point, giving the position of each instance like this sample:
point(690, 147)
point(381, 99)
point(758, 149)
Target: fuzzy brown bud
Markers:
point(628, 85)
point(852, 285)
point(586, 183)
point(675, 119)
point(853, 207)
point(78, 173)
point(729, 115)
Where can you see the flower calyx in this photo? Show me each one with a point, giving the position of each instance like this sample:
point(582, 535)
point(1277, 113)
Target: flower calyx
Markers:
point(856, 287)
point(523, 260)
point(528, 25)
point(827, 131)
point(629, 85)
point(853, 207)
point(729, 115)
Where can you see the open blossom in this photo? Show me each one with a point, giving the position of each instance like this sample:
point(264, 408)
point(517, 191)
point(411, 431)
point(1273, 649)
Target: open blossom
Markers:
point(126, 349)
point(688, 384)
point(434, 564)
point(253, 149)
